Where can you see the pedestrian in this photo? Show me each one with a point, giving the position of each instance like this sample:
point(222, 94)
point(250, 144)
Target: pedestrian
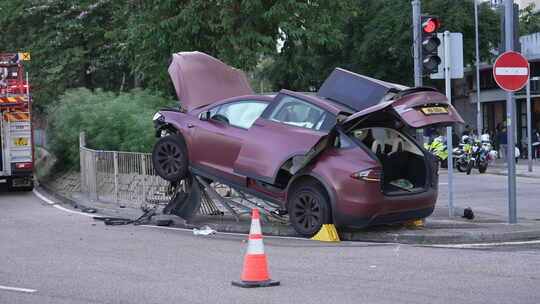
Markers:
point(503, 143)
point(467, 131)
point(535, 143)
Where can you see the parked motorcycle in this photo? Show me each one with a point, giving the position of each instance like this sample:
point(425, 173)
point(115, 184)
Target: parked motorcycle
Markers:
point(460, 156)
point(478, 154)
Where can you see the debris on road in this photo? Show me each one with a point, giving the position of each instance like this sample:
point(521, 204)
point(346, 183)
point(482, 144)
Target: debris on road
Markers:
point(205, 230)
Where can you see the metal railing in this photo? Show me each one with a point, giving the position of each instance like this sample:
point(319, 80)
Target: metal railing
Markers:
point(124, 178)
point(129, 180)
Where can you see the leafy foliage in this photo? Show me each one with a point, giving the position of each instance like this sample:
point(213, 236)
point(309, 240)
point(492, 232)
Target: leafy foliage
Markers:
point(529, 22)
point(112, 122)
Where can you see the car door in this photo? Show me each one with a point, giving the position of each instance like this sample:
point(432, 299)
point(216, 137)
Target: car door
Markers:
point(218, 138)
point(287, 129)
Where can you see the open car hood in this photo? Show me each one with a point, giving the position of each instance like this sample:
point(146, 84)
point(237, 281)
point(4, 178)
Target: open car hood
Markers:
point(356, 91)
point(200, 79)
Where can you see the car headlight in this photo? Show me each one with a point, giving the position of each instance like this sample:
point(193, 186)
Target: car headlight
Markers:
point(158, 116)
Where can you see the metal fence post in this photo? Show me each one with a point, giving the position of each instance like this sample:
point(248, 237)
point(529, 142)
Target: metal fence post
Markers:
point(115, 159)
point(143, 173)
point(82, 158)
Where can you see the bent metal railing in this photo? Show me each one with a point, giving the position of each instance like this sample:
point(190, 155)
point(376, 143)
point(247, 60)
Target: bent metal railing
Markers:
point(125, 178)
point(128, 179)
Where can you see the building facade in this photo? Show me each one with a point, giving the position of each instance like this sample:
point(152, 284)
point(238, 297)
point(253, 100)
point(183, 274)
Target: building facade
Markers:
point(493, 99)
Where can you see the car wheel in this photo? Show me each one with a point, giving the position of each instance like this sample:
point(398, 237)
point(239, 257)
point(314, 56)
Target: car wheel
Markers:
point(308, 209)
point(169, 157)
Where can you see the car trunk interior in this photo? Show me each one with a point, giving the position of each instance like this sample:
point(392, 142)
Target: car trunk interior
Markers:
point(403, 163)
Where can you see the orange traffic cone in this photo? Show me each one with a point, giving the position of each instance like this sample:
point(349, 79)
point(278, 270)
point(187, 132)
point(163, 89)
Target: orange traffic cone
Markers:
point(255, 267)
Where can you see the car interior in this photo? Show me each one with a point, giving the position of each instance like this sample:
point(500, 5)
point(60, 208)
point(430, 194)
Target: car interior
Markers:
point(404, 168)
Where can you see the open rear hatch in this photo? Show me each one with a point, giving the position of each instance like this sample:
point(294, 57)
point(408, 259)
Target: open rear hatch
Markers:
point(384, 110)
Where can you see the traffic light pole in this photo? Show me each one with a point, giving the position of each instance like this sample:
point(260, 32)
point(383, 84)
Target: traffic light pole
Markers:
point(510, 155)
point(479, 123)
point(417, 41)
point(449, 144)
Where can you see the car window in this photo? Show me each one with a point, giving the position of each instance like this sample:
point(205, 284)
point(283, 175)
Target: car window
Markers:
point(296, 112)
point(241, 113)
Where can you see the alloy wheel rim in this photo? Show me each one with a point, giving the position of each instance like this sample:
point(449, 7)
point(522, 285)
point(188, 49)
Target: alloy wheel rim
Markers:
point(307, 211)
point(168, 158)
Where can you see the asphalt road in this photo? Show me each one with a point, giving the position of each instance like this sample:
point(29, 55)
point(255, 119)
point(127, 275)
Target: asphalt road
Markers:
point(69, 258)
point(488, 193)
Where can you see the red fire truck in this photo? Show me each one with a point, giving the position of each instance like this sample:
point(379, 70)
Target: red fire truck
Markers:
point(16, 144)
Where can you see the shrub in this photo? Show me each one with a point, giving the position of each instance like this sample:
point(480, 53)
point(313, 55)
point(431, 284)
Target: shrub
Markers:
point(118, 122)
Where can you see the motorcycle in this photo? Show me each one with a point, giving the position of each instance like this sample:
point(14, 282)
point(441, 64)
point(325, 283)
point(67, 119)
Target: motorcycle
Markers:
point(460, 158)
point(478, 156)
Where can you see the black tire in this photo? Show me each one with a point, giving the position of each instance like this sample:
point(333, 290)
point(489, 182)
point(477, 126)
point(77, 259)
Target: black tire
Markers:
point(308, 209)
point(170, 159)
point(482, 167)
point(470, 165)
point(462, 167)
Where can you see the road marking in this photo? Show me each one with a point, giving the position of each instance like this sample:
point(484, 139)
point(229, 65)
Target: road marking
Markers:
point(443, 183)
point(479, 245)
point(55, 205)
point(17, 289)
point(512, 71)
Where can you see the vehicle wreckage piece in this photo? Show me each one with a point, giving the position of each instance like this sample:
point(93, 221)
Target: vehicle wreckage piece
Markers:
point(186, 199)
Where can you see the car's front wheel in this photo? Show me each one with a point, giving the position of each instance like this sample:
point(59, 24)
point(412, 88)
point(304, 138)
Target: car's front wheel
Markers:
point(170, 159)
point(308, 209)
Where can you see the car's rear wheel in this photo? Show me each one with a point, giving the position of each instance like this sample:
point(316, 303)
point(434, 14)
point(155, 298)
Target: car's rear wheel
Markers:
point(308, 209)
point(169, 157)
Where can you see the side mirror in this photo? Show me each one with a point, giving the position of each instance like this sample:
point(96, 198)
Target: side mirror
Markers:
point(205, 115)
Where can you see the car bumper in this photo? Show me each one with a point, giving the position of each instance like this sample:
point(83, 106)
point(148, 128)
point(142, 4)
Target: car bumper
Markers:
point(385, 210)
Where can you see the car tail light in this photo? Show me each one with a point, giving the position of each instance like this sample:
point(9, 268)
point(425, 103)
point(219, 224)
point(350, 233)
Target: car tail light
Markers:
point(370, 175)
point(24, 165)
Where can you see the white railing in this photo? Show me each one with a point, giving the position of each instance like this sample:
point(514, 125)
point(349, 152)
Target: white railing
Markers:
point(124, 178)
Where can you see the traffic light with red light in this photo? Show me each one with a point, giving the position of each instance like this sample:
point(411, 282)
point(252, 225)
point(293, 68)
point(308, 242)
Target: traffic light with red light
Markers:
point(431, 25)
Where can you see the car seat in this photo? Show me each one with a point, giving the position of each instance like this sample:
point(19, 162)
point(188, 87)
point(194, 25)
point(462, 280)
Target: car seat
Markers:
point(377, 147)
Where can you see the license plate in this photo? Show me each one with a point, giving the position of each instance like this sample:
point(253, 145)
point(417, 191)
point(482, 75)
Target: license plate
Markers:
point(21, 141)
point(434, 110)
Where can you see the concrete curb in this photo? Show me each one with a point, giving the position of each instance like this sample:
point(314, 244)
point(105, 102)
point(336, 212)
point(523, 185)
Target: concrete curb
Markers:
point(431, 234)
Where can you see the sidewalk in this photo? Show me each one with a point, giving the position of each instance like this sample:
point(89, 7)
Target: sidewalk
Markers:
point(438, 228)
point(499, 167)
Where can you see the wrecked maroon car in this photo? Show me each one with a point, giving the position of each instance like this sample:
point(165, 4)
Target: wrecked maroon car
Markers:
point(343, 155)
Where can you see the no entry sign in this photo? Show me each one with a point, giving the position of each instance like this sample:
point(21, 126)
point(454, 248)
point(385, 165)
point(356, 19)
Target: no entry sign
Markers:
point(511, 71)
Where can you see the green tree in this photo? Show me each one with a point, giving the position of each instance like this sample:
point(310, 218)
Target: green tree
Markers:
point(376, 41)
point(529, 22)
point(68, 43)
point(115, 122)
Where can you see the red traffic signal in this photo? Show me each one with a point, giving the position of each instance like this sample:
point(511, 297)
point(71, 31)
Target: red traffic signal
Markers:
point(431, 25)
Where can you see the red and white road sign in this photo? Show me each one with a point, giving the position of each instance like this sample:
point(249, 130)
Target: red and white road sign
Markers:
point(511, 71)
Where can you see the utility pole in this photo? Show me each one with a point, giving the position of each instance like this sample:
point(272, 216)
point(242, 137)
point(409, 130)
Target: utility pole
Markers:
point(479, 122)
point(417, 48)
point(510, 109)
point(448, 89)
